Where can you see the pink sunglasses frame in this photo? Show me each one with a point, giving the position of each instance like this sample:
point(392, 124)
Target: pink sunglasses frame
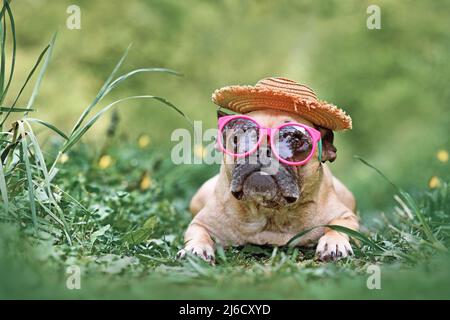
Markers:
point(263, 131)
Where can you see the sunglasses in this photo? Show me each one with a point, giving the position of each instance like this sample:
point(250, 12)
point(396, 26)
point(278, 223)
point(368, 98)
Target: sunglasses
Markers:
point(291, 143)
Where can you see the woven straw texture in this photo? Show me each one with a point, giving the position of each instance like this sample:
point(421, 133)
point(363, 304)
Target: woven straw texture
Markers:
point(286, 95)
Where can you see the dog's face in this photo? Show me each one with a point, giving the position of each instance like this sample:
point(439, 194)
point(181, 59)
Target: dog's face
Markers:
point(260, 178)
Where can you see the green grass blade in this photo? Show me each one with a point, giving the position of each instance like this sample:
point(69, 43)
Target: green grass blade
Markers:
point(2, 13)
point(50, 213)
point(78, 203)
point(347, 231)
point(50, 126)
point(2, 49)
point(30, 74)
point(197, 267)
point(7, 153)
point(425, 226)
point(28, 169)
point(412, 205)
point(101, 93)
point(3, 186)
point(81, 131)
point(357, 235)
point(13, 53)
point(298, 235)
point(40, 164)
point(379, 172)
point(14, 109)
point(124, 77)
point(37, 85)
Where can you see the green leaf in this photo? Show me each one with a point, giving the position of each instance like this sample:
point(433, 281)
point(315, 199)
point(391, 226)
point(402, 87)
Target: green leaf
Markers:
point(100, 232)
point(142, 234)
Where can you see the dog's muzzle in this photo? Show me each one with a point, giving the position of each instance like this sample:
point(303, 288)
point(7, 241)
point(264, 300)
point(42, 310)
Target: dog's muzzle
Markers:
point(259, 182)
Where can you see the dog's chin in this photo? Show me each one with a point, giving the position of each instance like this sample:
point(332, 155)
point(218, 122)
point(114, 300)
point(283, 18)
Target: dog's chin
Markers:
point(269, 204)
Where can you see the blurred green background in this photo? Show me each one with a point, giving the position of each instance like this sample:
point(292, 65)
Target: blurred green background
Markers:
point(393, 81)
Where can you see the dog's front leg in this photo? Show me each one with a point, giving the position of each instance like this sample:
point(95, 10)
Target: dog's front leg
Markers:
point(197, 241)
point(334, 245)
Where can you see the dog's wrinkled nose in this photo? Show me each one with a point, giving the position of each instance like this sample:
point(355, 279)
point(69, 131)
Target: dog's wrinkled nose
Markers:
point(261, 186)
point(264, 181)
point(290, 199)
point(237, 194)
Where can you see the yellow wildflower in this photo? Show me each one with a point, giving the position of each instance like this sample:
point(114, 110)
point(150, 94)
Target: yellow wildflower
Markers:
point(434, 182)
point(105, 161)
point(143, 141)
point(442, 155)
point(64, 158)
point(146, 182)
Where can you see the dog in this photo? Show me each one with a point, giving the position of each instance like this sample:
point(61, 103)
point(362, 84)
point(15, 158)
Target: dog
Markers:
point(243, 204)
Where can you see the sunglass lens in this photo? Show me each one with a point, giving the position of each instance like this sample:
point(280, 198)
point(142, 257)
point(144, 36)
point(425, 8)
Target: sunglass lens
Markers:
point(293, 143)
point(240, 135)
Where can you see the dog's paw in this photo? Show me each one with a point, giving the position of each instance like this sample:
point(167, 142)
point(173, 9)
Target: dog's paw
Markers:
point(203, 251)
point(333, 246)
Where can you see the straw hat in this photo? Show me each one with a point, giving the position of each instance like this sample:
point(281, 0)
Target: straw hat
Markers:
point(283, 94)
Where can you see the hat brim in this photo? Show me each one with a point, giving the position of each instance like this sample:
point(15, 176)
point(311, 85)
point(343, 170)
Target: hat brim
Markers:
point(244, 99)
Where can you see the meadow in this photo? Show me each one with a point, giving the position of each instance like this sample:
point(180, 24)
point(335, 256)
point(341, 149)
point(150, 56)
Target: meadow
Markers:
point(86, 178)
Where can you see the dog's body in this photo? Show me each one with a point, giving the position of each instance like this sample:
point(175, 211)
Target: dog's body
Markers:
point(322, 200)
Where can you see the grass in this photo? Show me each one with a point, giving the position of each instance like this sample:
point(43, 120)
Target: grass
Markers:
point(24, 169)
point(126, 234)
point(119, 214)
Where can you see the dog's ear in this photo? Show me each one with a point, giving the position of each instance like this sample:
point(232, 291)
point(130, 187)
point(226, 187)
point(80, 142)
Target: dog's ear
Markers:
point(221, 114)
point(328, 149)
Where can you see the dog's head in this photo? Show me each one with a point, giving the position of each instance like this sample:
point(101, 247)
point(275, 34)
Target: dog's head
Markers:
point(262, 179)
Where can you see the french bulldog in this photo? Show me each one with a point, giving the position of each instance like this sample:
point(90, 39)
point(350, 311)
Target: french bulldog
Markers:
point(245, 205)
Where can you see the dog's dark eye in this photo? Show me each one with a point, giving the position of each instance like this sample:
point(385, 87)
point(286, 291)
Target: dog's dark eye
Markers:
point(293, 143)
point(240, 135)
point(296, 140)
